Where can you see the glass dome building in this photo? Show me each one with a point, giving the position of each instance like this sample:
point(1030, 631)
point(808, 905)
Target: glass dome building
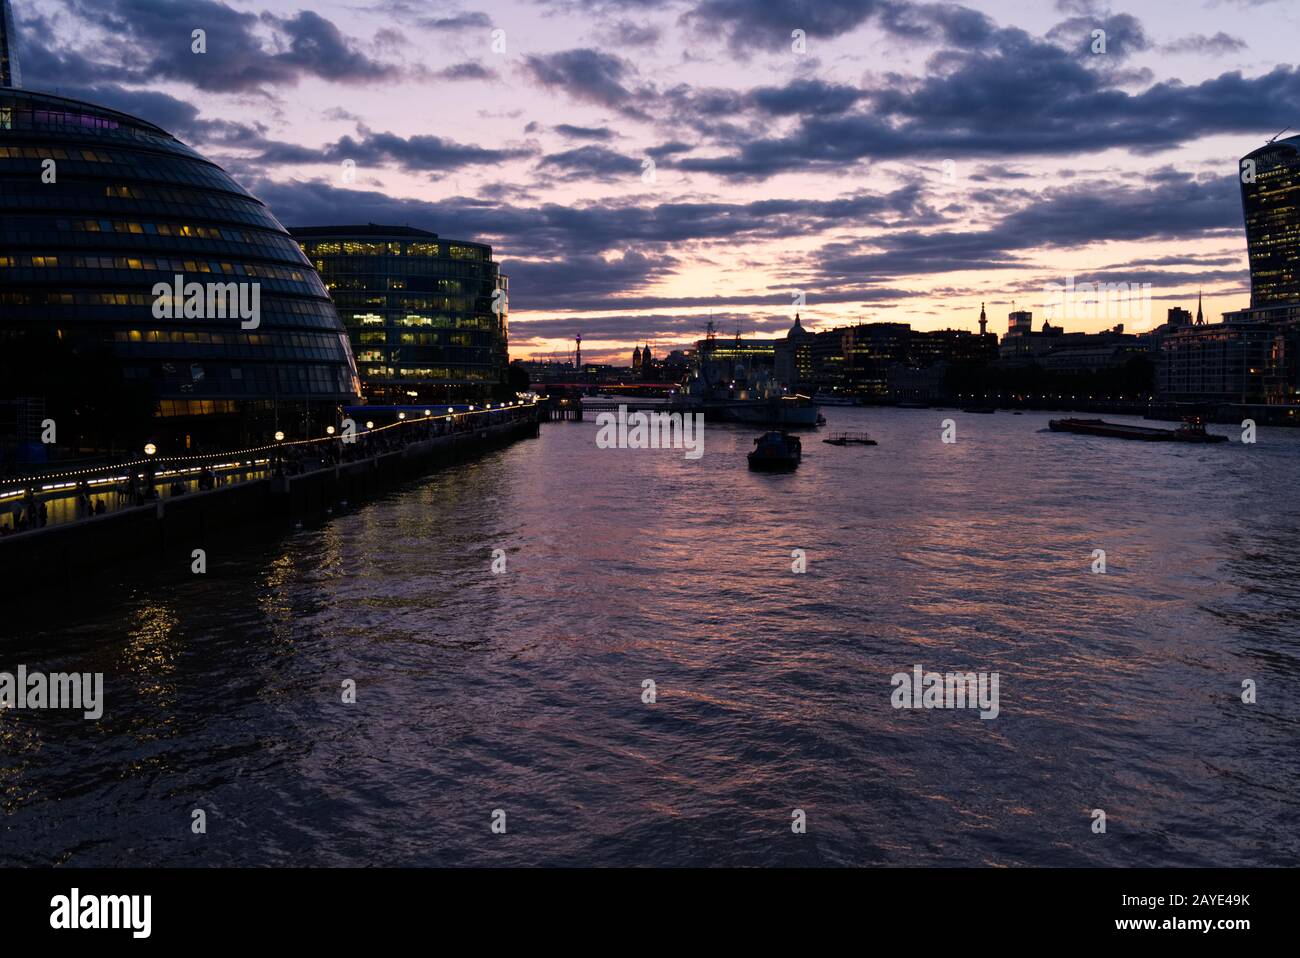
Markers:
point(103, 218)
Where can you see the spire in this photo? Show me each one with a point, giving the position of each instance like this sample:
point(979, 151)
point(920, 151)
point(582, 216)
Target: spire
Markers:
point(10, 76)
point(1200, 317)
point(984, 320)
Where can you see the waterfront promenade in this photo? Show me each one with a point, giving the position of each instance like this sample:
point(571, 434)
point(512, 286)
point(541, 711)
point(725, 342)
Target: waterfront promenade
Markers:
point(60, 525)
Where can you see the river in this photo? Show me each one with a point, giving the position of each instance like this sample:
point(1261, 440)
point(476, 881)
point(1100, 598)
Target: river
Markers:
point(521, 691)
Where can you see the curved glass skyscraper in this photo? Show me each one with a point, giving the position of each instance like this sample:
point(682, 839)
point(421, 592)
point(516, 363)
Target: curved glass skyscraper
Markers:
point(143, 292)
point(1270, 199)
point(427, 315)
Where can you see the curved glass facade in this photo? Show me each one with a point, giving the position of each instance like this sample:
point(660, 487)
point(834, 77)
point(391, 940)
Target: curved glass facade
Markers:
point(427, 316)
point(97, 209)
point(1270, 200)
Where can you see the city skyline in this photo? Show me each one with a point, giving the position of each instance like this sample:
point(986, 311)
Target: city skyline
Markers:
point(910, 191)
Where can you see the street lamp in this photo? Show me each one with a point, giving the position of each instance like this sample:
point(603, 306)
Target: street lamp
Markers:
point(150, 449)
point(279, 435)
point(329, 430)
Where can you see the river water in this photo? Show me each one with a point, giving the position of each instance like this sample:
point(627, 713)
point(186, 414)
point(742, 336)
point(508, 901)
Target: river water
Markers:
point(523, 691)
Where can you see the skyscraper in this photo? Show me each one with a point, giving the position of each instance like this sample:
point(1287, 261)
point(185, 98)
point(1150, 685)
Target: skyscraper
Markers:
point(1270, 200)
point(10, 75)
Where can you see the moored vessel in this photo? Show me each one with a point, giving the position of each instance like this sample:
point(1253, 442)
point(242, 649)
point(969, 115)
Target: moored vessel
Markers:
point(776, 452)
point(1191, 430)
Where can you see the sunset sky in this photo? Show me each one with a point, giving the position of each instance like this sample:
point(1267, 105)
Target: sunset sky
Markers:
point(916, 159)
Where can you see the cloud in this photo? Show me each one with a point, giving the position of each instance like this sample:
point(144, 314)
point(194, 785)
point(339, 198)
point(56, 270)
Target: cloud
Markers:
point(1124, 36)
point(1169, 205)
point(1216, 45)
point(423, 153)
point(456, 21)
point(467, 70)
point(805, 97)
point(591, 162)
point(629, 33)
point(1028, 99)
point(767, 24)
point(584, 132)
point(246, 52)
point(584, 74)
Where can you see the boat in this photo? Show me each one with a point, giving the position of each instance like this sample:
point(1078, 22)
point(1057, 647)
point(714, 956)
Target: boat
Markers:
point(849, 439)
point(776, 452)
point(824, 399)
point(1191, 430)
point(782, 412)
point(988, 410)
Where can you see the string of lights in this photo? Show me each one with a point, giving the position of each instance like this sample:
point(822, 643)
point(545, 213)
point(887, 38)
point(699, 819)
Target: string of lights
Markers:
point(94, 476)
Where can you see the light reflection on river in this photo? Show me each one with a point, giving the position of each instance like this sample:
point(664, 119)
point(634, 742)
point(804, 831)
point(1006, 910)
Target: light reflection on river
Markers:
point(523, 691)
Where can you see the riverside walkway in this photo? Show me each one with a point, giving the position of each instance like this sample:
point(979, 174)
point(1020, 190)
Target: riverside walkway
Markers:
point(95, 516)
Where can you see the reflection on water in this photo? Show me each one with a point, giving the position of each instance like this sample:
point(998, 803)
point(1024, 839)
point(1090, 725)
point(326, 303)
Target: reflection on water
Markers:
point(523, 691)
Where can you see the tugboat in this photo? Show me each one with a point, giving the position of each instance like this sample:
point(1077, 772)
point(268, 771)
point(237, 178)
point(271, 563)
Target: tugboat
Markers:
point(849, 439)
point(1191, 430)
point(776, 452)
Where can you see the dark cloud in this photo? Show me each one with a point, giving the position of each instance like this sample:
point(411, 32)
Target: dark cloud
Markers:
point(1167, 205)
point(456, 21)
point(584, 282)
point(468, 70)
point(767, 24)
point(151, 40)
point(1216, 45)
point(805, 97)
point(1028, 99)
point(554, 234)
point(584, 132)
point(629, 33)
point(668, 149)
point(591, 162)
point(1124, 36)
point(421, 153)
point(584, 74)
